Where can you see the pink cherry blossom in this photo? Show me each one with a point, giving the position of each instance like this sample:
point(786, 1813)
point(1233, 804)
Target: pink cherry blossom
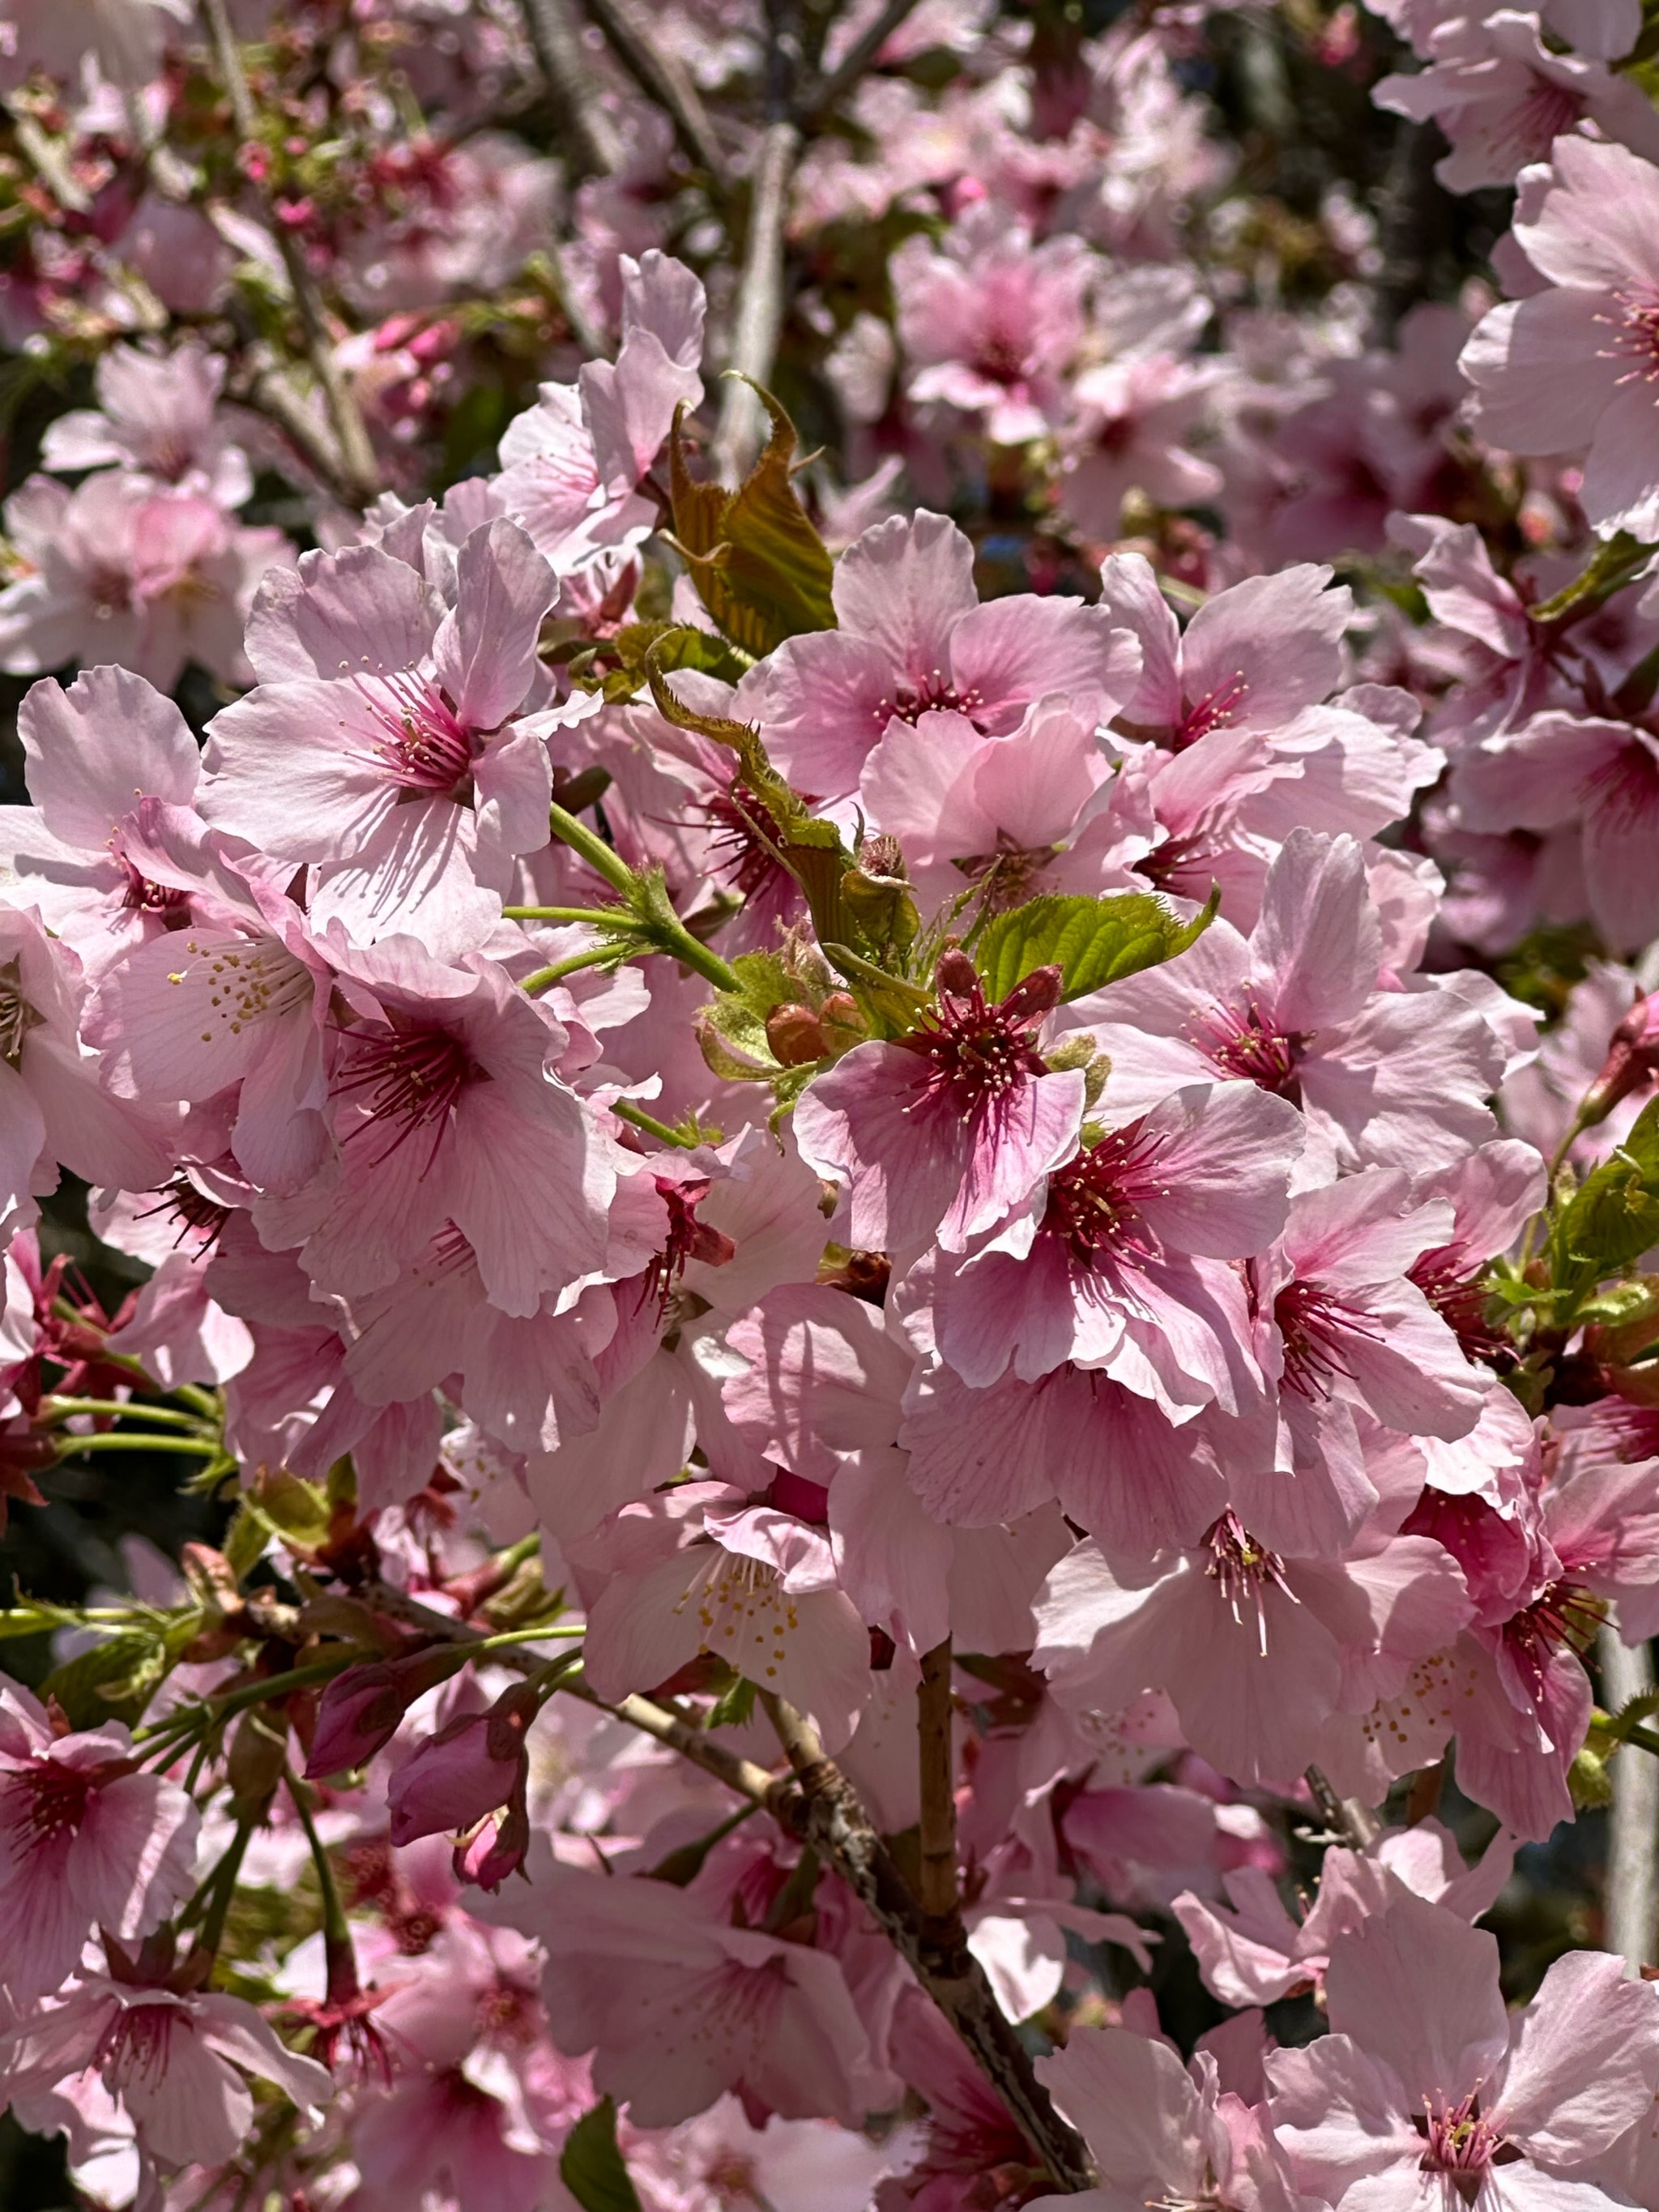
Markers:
point(951, 1127)
point(157, 414)
point(912, 635)
point(86, 1841)
point(1256, 1650)
point(1424, 2074)
point(624, 1955)
point(1153, 2124)
point(1567, 368)
point(175, 2062)
point(402, 765)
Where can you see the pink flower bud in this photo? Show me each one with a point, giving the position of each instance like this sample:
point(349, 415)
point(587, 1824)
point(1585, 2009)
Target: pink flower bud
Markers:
point(1633, 1060)
point(496, 1849)
point(360, 1709)
point(468, 1769)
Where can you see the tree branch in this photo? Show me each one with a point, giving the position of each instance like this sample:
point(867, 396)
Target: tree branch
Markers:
point(595, 147)
point(817, 1805)
point(826, 1812)
point(1631, 1896)
point(661, 77)
point(937, 1889)
point(355, 466)
point(852, 64)
point(760, 303)
point(1356, 1824)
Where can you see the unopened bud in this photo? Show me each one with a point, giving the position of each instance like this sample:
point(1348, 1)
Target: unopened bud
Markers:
point(468, 1769)
point(881, 856)
point(1036, 994)
point(956, 976)
point(1633, 1060)
point(496, 1849)
point(795, 1035)
point(361, 1710)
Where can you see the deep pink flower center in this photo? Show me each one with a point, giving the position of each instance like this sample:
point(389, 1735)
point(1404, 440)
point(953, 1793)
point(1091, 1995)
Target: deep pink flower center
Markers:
point(978, 1056)
point(196, 1213)
point(1562, 1617)
point(48, 1801)
point(1001, 358)
point(1094, 1200)
point(136, 2045)
point(745, 839)
point(1213, 711)
point(1244, 1570)
point(142, 896)
point(1457, 1293)
point(110, 591)
point(423, 742)
point(1243, 1041)
point(1635, 336)
point(688, 1239)
point(1463, 2144)
point(409, 1081)
point(1316, 1328)
point(934, 690)
point(1193, 852)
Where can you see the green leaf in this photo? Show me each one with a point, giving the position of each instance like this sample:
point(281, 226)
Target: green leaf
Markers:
point(1613, 1217)
point(116, 1679)
point(617, 665)
point(111, 1680)
point(759, 566)
point(735, 1706)
point(1092, 941)
point(1617, 562)
point(592, 2167)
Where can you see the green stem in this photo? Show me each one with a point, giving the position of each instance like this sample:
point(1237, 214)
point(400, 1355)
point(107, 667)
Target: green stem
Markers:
point(509, 1636)
point(53, 1407)
point(626, 1112)
point(649, 911)
point(600, 917)
point(680, 944)
point(544, 978)
point(222, 1881)
point(591, 848)
point(207, 1403)
point(196, 1447)
point(1644, 1739)
point(225, 1706)
point(335, 1927)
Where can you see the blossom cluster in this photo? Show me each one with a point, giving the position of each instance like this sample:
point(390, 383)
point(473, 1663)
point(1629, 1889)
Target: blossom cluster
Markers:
point(894, 1212)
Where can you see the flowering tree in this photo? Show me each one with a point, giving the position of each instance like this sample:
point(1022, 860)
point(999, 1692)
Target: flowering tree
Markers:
point(890, 1216)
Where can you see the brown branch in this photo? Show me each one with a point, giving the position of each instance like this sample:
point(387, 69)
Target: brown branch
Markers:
point(936, 1890)
point(825, 1812)
point(817, 1805)
point(661, 77)
point(1356, 1824)
point(595, 145)
point(355, 466)
point(737, 1773)
point(760, 302)
point(856, 60)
